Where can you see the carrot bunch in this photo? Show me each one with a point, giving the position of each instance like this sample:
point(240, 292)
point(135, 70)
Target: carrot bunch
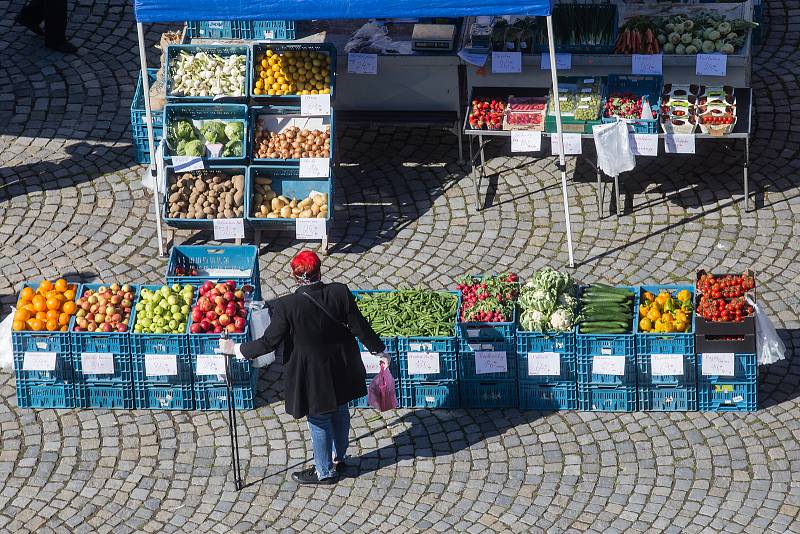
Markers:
point(637, 36)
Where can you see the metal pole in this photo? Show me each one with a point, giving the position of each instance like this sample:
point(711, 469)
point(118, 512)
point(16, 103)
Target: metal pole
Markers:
point(233, 427)
point(562, 165)
point(150, 137)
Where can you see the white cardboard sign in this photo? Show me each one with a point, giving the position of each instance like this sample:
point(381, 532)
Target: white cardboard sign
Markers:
point(666, 364)
point(506, 62)
point(711, 65)
point(544, 364)
point(490, 361)
point(97, 363)
point(563, 61)
point(423, 363)
point(679, 143)
point(644, 144)
point(608, 365)
point(210, 364)
point(372, 363)
point(228, 229)
point(572, 144)
point(647, 63)
point(311, 228)
point(160, 365)
point(315, 168)
point(315, 105)
point(362, 63)
point(39, 361)
point(187, 163)
point(717, 364)
point(526, 141)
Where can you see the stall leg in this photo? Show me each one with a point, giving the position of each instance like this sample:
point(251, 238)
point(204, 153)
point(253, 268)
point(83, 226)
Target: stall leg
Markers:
point(600, 192)
point(482, 173)
point(460, 144)
point(616, 192)
point(325, 248)
point(746, 177)
point(257, 237)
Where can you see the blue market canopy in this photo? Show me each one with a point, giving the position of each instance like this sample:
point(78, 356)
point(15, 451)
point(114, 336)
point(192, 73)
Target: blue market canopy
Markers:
point(180, 10)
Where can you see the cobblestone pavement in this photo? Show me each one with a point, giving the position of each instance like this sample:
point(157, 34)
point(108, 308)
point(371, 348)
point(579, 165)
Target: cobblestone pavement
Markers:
point(71, 204)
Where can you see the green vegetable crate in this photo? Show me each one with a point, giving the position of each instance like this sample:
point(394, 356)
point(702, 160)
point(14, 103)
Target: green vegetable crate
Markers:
point(224, 50)
point(199, 114)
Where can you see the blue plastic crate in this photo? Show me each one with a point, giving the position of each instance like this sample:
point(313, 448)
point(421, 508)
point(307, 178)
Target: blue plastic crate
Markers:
point(206, 112)
point(115, 343)
point(466, 360)
point(194, 223)
point(242, 371)
point(35, 394)
point(485, 331)
point(647, 378)
point(139, 121)
point(745, 367)
point(638, 85)
point(279, 30)
point(61, 374)
point(105, 395)
point(286, 181)
point(429, 394)
point(163, 397)
point(562, 343)
point(215, 396)
point(225, 50)
point(587, 376)
point(727, 396)
point(489, 395)
point(447, 357)
point(361, 402)
point(607, 399)
point(668, 399)
point(279, 118)
point(217, 263)
point(394, 365)
point(260, 49)
point(547, 397)
point(677, 343)
point(217, 29)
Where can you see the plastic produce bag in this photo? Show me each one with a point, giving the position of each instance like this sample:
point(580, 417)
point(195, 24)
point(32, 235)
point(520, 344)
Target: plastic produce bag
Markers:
point(614, 155)
point(380, 393)
point(769, 346)
point(6, 349)
point(259, 321)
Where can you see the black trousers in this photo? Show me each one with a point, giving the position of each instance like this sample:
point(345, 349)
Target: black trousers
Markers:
point(54, 15)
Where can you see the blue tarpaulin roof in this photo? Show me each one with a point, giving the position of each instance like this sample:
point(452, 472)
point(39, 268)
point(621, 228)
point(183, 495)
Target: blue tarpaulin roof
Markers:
point(180, 10)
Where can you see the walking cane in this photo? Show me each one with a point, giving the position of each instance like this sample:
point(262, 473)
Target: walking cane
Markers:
point(232, 426)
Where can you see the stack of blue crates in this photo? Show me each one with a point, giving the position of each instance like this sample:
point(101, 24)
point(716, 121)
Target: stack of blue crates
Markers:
point(43, 368)
point(727, 366)
point(394, 369)
point(607, 369)
point(241, 29)
point(210, 390)
point(546, 368)
point(218, 263)
point(107, 390)
point(660, 392)
point(141, 145)
point(481, 388)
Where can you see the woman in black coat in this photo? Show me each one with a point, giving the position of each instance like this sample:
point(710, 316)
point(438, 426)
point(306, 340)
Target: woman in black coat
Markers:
point(323, 371)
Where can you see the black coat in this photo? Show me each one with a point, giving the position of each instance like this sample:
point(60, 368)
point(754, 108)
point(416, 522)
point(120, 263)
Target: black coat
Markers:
point(322, 361)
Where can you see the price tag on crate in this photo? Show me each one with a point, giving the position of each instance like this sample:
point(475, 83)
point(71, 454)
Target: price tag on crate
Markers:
point(39, 361)
point(315, 168)
point(608, 365)
point(160, 365)
point(544, 364)
point(97, 363)
point(472, 333)
point(679, 143)
point(525, 141)
point(421, 347)
point(506, 62)
point(210, 364)
point(563, 61)
point(372, 363)
point(311, 228)
point(228, 229)
point(423, 363)
point(711, 65)
point(315, 105)
point(491, 361)
point(572, 144)
point(717, 364)
point(644, 144)
point(187, 163)
point(647, 63)
point(362, 63)
point(216, 24)
point(666, 364)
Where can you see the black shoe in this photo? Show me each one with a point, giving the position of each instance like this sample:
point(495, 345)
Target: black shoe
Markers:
point(341, 467)
point(35, 28)
point(64, 46)
point(309, 477)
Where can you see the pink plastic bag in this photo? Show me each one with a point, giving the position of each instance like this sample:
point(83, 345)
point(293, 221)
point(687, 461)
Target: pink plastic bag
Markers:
point(380, 393)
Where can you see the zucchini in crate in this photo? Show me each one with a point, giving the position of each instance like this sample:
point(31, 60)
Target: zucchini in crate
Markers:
point(606, 310)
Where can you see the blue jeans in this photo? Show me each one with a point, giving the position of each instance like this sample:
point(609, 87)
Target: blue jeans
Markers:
point(330, 434)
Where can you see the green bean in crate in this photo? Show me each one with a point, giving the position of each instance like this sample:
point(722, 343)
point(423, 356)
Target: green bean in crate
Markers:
point(410, 312)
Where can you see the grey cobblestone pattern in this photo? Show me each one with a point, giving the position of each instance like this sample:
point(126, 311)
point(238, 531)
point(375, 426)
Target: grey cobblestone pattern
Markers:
point(71, 204)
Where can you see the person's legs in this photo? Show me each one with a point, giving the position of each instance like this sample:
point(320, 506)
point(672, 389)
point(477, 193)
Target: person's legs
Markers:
point(322, 436)
point(31, 16)
point(341, 432)
point(55, 22)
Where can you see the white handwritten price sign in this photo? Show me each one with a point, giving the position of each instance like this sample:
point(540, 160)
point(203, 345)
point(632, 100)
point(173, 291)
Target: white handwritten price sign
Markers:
point(210, 364)
point(311, 228)
point(490, 361)
point(717, 364)
point(160, 365)
point(39, 361)
point(371, 362)
point(572, 144)
point(544, 364)
point(647, 63)
point(362, 63)
point(711, 65)
point(421, 347)
point(679, 143)
point(506, 62)
point(315, 105)
point(423, 363)
point(644, 144)
point(315, 168)
point(666, 364)
point(563, 61)
point(525, 141)
point(97, 363)
point(608, 365)
point(228, 229)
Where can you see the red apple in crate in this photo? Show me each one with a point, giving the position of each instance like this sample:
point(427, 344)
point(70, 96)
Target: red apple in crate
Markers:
point(239, 323)
point(224, 320)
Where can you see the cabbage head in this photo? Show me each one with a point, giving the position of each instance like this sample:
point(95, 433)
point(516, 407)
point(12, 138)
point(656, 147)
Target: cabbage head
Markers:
point(194, 148)
point(234, 131)
point(183, 130)
point(213, 131)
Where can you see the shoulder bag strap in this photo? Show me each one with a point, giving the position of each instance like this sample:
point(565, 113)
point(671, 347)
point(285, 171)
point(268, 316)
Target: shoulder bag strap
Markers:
point(325, 311)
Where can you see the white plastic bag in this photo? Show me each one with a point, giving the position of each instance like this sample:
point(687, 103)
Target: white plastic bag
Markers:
point(614, 154)
point(769, 346)
point(6, 350)
point(259, 321)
